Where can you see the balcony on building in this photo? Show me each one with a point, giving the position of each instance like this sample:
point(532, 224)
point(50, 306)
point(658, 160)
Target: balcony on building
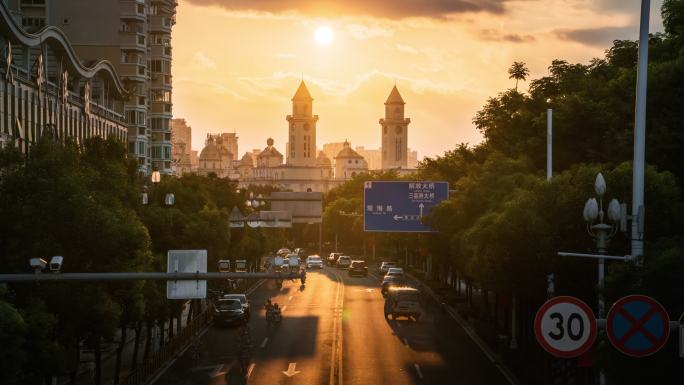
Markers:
point(133, 41)
point(161, 23)
point(133, 10)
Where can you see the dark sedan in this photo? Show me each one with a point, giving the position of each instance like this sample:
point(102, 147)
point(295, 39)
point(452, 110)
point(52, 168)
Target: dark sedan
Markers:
point(228, 312)
point(358, 268)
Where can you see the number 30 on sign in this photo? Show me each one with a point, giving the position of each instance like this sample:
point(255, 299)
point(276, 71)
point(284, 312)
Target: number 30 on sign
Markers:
point(565, 327)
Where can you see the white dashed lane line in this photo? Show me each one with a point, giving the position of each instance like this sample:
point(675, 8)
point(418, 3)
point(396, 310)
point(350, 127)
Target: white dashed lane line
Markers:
point(263, 344)
point(420, 373)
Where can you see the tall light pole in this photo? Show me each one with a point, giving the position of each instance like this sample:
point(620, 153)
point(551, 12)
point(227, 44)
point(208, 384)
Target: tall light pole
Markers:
point(640, 137)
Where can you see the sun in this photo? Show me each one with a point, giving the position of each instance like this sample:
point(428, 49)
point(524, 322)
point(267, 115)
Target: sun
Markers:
point(324, 35)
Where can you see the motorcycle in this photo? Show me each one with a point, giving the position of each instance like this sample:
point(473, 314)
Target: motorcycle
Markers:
point(273, 316)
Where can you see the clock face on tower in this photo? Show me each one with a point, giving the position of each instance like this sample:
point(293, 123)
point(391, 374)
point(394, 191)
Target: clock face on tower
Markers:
point(306, 126)
point(398, 129)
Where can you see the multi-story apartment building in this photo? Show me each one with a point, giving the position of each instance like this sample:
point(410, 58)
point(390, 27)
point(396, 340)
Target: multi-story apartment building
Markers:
point(135, 36)
point(181, 137)
point(46, 90)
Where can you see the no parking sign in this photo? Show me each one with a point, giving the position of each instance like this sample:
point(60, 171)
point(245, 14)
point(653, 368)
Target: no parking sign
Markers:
point(637, 325)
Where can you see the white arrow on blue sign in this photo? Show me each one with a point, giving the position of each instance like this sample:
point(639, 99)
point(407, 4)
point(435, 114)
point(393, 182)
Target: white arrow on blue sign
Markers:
point(399, 206)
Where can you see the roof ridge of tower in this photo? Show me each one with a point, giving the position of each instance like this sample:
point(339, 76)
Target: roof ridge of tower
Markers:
point(302, 92)
point(395, 97)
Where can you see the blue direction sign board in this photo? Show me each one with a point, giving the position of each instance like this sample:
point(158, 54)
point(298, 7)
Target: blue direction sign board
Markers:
point(399, 206)
point(637, 325)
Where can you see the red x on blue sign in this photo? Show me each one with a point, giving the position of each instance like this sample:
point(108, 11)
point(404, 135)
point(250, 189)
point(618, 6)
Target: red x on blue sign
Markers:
point(637, 325)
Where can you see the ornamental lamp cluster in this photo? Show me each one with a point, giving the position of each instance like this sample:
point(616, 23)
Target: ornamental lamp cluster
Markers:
point(595, 216)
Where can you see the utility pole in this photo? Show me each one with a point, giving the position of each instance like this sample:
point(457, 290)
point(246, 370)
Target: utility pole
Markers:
point(640, 137)
point(549, 143)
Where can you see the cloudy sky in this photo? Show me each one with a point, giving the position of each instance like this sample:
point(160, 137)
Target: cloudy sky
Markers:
point(237, 63)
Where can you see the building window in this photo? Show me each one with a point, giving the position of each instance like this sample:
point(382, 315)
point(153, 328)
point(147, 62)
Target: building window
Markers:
point(398, 149)
point(292, 147)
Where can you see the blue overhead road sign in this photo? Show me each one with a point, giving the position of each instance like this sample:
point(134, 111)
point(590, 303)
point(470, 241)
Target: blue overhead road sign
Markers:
point(398, 206)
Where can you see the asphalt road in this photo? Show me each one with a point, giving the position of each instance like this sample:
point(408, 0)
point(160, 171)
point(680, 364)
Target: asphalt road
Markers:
point(334, 332)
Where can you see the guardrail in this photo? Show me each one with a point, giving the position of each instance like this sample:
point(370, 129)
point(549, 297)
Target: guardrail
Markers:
point(145, 371)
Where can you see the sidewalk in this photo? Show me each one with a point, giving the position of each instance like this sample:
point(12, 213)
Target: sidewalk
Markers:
point(85, 372)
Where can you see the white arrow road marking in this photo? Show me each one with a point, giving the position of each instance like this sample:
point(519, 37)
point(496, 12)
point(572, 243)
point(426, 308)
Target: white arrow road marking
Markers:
point(291, 369)
point(420, 206)
point(420, 373)
point(263, 344)
point(250, 370)
point(283, 309)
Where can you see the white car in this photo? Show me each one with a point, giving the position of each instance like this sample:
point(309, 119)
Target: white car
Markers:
point(314, 261)
point(386, 266)
point(344, 261)
point(395, 271)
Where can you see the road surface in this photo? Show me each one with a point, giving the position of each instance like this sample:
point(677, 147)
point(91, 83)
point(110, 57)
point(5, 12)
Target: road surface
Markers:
point(334, 332)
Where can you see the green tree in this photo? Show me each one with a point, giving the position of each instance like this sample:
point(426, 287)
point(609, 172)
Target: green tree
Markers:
point(518, 71)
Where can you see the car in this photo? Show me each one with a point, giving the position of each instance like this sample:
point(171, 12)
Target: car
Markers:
point(332, 258)
point(314, 261)
point(358, 268)
point(403, 301)
point(228, 311)
point(243, 301)
point(343, 261)
point(391, 281)
point(398, 271)
point(386, 265)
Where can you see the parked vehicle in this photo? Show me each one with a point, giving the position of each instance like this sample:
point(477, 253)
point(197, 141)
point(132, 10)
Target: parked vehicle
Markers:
point(391, 281)
point(332, 258)
point(404, 302)
point(386, 266)
point(228, 311)
point(343, 261)
point(358, 268)
point(243, 301)
point(314, 261)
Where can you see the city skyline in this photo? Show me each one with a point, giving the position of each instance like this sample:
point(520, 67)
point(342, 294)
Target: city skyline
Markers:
point(226, 83)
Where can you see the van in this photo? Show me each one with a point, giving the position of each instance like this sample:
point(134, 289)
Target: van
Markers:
point(403, 301)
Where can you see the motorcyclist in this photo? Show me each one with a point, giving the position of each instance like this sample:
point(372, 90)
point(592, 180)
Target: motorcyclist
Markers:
point(269, 305)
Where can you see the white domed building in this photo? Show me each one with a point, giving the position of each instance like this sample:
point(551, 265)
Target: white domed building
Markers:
point(215, 158)
point(348, 163)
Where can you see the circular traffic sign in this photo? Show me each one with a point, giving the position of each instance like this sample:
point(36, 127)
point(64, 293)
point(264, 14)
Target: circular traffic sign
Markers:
point(565, 327)
point(637, 325)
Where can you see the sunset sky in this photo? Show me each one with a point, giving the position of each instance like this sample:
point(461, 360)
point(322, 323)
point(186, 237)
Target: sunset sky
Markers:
point(237, 63)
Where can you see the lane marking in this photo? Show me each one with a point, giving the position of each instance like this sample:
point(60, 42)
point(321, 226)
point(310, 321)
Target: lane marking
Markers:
point(250, 370)
point(337, 345)
point(406, 343)
point(420, 374)
point(218, 371)
point(283, 309)
point(290, 299)
point(291, 369)
point(493, 358)
point(263, 344)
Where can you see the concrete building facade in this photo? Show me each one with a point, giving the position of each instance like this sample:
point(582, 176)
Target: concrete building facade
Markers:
point(181, 142)
point(135, 36)
point(45, 89)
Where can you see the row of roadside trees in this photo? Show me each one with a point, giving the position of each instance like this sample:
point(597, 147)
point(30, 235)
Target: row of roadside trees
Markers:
point(503, 224)
point(84, 203)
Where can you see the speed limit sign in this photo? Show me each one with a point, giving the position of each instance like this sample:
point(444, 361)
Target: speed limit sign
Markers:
point(565, 327)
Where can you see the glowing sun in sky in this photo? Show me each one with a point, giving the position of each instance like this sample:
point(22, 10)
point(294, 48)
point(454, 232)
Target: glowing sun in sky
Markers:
point(324, 35)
